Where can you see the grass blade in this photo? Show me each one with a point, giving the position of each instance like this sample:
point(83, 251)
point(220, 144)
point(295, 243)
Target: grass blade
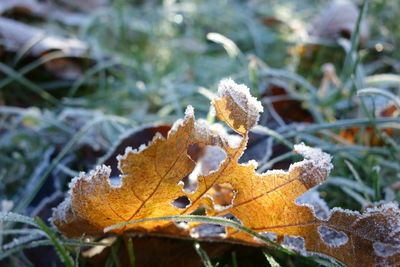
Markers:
point(56, 242)
point(350, 62)
point(203, 255)
point(27, 83)
point(131, 253)
point(216, 221)
point(7, 253)
point(270, 259)
point(376, 91)
point(18, 218)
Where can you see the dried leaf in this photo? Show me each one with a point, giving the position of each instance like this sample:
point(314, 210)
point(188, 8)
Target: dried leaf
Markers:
point(44, 11)
point(15, 35)
point(286, 108)
point(134, 139)
point(369, 135)
point(338, 19)
point(236, 106)
point(151, 183)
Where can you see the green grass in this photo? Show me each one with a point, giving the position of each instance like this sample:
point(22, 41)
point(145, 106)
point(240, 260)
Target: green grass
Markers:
point(147, 62)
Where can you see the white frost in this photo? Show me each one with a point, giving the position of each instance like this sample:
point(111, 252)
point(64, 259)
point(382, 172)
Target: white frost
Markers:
point(189, 113)
point(60, 212)
point(100, 171)
point(315, 155)
point(216, 129)
point(240, 93)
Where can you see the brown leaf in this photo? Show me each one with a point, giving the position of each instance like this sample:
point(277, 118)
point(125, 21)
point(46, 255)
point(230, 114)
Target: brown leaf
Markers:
point(266, 203)
point(236, 106)
point(289, 109)
point(369, 136)
point(15, 36)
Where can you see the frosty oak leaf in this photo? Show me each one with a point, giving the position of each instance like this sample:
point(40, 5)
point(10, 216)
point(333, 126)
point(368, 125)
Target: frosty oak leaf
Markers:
point(151, 182)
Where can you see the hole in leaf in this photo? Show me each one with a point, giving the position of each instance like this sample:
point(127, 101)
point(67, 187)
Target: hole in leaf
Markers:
point(212, 230)
point(115, 181)
point(188, 185)
point(385, 250)
point(190, 181)
point(222, 195)
point(294, 242)
point(196, 151)
point(231, 217)
point(200, 211)
point(207, 158)
point(271, 236)
point(181, 202)
point(208, 230)
point(212, 159)
point(332, 237)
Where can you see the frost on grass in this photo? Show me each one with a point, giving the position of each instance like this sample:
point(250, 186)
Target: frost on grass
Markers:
point(152, 179)
point(6, 216)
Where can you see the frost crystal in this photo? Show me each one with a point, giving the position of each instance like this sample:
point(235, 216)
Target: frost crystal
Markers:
point(100, 171)
point(236, 106)
point(241, 95)
point(189, 113)
point(315, 155)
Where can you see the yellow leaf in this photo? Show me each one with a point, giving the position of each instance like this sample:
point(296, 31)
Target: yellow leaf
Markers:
point(152, 186)
point(236, 106)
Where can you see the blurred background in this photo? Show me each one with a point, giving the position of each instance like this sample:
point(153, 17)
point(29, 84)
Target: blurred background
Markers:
point(82, 79)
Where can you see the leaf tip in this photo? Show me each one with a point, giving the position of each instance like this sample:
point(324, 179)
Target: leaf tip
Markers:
point(236, 106)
